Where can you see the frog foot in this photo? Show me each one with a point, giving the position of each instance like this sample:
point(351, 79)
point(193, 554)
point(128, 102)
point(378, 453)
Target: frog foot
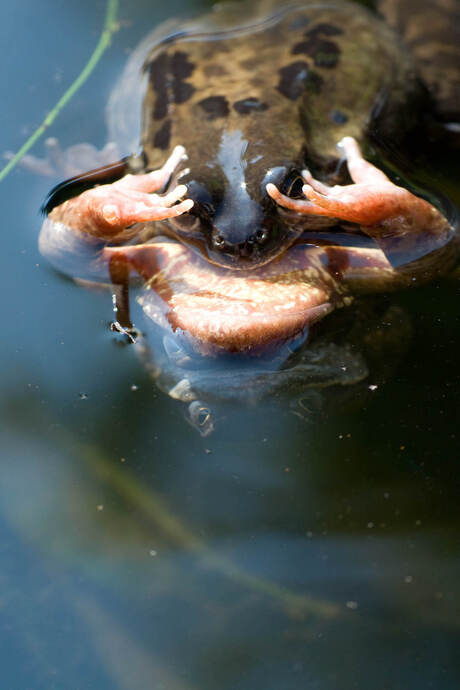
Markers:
point(372, 200)
point(107, 211)
point(69, 162)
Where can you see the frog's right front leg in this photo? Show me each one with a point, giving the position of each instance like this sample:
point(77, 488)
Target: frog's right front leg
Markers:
point(417, 239)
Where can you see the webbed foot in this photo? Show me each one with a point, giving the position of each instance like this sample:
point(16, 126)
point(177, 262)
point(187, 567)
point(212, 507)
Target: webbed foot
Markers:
point(108, 210)
point(371, 200)
point(405, 226)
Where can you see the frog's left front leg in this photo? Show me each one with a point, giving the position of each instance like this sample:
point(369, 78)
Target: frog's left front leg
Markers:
point(106, 212)
point(406, 227)
point(76, 235)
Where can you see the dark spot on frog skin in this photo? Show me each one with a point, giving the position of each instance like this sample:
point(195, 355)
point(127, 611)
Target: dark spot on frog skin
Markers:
point(162, 138)
point(215, 106)
point(167, 73)
point(297, 78)
point(327, 55)
point(292, 80)
point(181, 67)
point(314, 82)
point(158, 80)
point(324, 53)
point(249, 105)
point(338, 117)
point(182, 91)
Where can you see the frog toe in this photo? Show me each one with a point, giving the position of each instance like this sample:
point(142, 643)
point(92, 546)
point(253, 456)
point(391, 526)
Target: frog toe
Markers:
point(314, 183)
point(365, 203)
point(121, 208)
point(108, 212)
point(124, 209)
point(155, 180)
point(302, 206)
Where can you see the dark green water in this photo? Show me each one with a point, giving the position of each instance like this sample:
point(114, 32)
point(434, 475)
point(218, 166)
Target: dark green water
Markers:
point(278, 553)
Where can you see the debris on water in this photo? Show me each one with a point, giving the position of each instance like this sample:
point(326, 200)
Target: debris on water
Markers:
point(353, 605)
point(83, 396)
point(134, 387)
point(122, 459)
point(100, 507)
point(408, 579)
point(152, 552)
point(372, 387)
point(208, 451)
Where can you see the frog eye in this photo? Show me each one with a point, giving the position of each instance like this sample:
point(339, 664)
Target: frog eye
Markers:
point(292, 185)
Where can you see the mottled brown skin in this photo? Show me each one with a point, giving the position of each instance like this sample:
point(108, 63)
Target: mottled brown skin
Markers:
point(282, 96)
point(254, 107)
point(197, 89)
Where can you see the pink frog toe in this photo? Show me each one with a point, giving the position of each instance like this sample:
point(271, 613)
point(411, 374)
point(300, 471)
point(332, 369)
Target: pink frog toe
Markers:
point(371, 199)
point(107, 211)
point(400, 222)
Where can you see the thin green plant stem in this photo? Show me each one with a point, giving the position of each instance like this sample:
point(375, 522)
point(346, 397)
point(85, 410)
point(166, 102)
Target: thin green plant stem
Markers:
point(110, 27)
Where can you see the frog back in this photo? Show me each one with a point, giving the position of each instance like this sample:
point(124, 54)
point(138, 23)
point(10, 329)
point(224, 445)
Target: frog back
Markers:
point(286, 76)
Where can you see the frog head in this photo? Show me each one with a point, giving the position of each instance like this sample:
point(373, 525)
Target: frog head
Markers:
point(233, 222)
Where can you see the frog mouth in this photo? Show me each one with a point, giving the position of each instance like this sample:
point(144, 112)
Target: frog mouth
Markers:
point(218, 310)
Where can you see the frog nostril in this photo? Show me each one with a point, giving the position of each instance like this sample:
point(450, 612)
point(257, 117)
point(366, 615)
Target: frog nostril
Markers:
point(219, 241)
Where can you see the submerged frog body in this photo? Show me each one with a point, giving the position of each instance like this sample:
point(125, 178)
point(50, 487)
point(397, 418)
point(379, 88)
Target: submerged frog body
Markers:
point(263, 225)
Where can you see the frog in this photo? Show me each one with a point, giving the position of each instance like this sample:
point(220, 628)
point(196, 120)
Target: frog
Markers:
point(263, 192)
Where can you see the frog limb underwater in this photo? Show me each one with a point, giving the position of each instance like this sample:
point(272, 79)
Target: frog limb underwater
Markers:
point(68, 162)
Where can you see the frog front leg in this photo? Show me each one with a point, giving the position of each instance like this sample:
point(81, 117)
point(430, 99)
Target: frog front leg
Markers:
point(408, 229)
point(76, 235)
point(86, 237)
point(109, 210)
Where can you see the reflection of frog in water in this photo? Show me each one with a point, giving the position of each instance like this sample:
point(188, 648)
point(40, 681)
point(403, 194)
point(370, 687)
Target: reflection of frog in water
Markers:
point(262, 247)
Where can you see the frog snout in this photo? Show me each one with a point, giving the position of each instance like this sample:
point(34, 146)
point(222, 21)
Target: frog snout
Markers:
point(246, 253)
